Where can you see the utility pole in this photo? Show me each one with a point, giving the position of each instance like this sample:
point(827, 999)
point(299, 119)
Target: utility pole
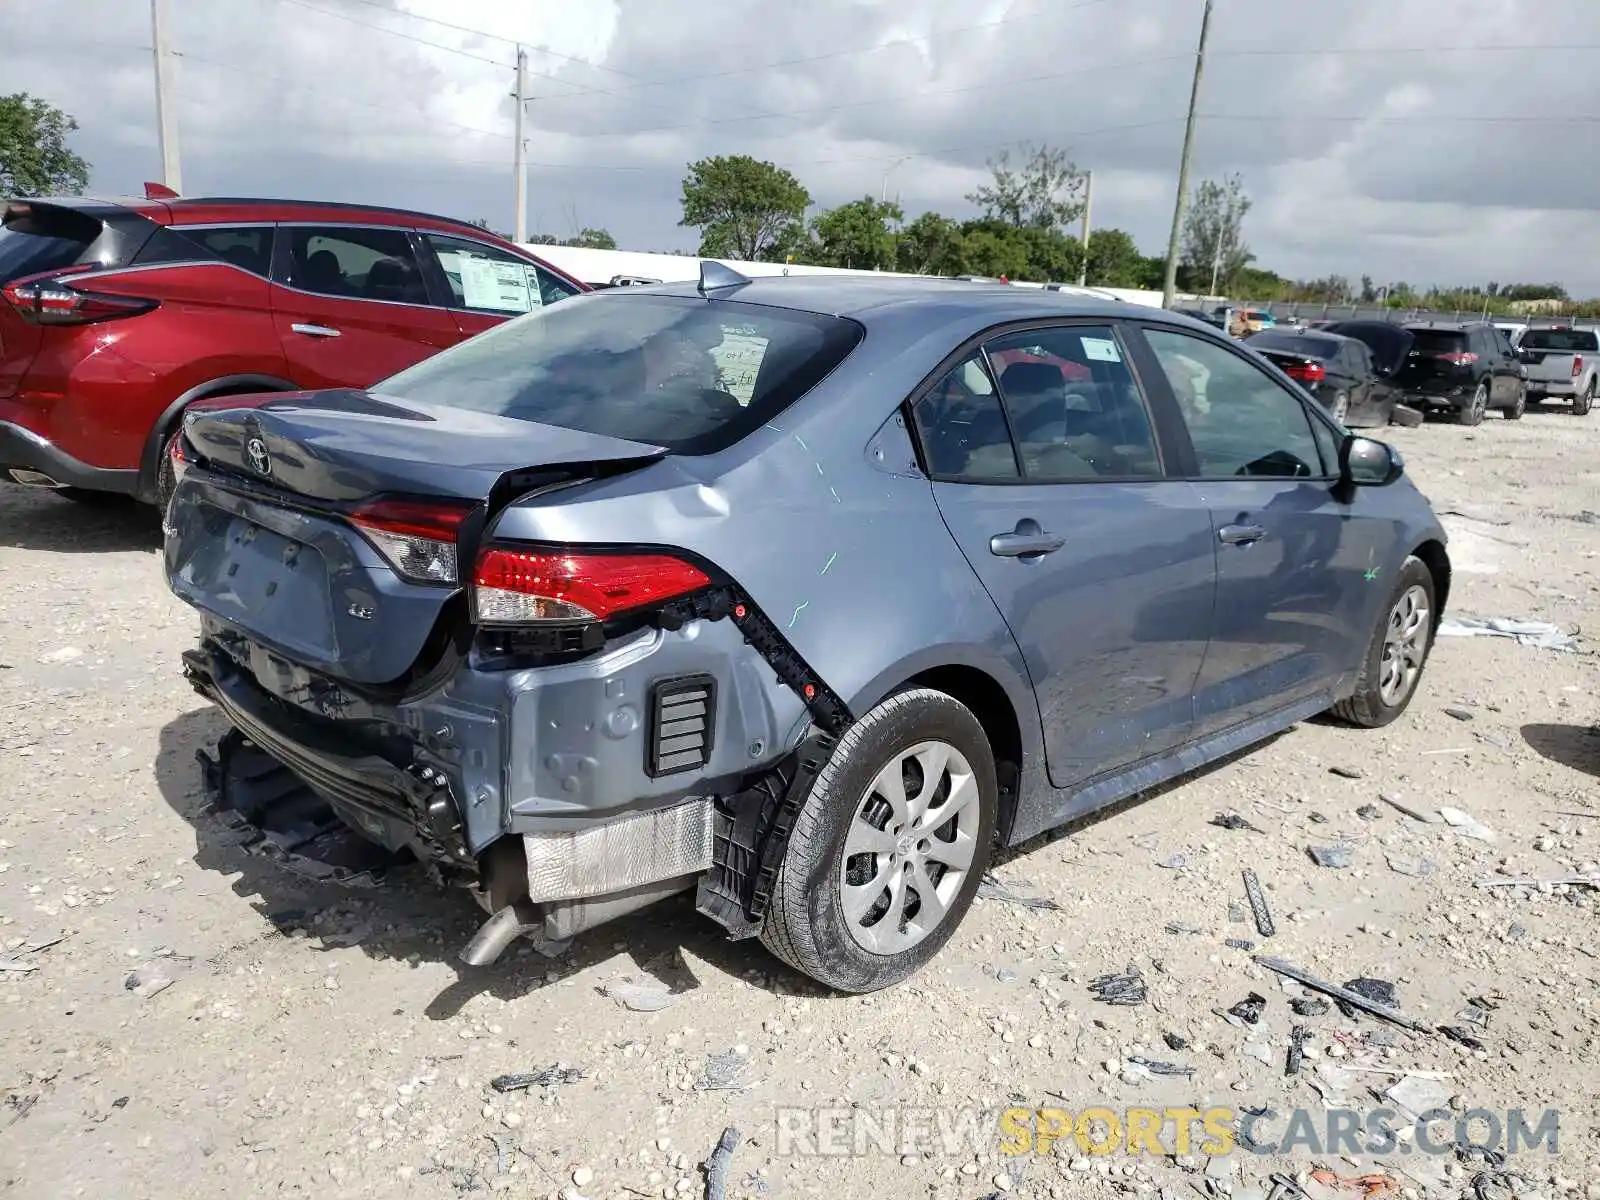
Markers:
point(520, 154)
point(166, 110)
point(1216, 265)
point(1088, 199)
point(1170, 286)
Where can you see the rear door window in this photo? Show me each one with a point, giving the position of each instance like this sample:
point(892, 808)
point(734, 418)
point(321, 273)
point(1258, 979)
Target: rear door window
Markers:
point(665, 370)
point(355, 263)
point(33, 241)
point(487, 279)
point(1568, 341)
point(1075, 409)
point(962, 426)
point(248, 247)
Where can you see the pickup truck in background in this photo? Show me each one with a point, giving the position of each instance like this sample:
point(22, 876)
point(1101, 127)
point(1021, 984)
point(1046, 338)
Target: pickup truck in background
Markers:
point(1563, 363)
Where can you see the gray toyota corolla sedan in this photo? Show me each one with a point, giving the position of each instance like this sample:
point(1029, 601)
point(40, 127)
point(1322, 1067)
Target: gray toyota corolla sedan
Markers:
point(799, 593)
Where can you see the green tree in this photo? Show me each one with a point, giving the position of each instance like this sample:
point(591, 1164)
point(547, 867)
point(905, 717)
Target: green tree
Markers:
point(860, 235)
point(1114, 260)
point(34, 159)
point(993, 253)
point(1213, 241)
point(932, 245)
point(1045, 191)
point(594, 239)
point(743, 208)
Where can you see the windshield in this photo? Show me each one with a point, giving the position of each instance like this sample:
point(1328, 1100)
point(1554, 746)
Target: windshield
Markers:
point(688, 374)
point(1440, 341)
point(1569, 340)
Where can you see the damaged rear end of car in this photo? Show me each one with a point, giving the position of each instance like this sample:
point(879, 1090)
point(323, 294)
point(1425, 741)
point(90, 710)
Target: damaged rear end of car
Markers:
point(414, 668)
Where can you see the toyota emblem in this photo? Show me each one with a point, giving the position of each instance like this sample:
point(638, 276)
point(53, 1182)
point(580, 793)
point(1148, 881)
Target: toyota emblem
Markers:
point(256, 451)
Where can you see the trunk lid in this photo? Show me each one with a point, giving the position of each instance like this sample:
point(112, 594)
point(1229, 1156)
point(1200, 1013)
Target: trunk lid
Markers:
point(1437, 358)
point(285, 524)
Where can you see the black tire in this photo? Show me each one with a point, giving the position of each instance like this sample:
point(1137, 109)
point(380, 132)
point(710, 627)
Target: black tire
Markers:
point(1584, 401)
point(805, 923)
point(1520, 406)
point(1472, 412)
point(1366, 706)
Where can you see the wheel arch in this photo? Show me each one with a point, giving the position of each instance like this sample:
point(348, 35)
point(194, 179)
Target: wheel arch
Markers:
point(998, 696)
point(223, 385)
point(1437, 560)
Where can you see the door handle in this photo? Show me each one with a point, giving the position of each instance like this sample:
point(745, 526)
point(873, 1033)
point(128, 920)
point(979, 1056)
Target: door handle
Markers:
point(1027, 541)
point(314, 330)
point(1241, 535)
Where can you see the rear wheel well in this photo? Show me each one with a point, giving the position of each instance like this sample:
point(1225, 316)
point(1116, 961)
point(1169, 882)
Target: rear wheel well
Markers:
point(988, 701)
point(1433, 557)
point(156, 442)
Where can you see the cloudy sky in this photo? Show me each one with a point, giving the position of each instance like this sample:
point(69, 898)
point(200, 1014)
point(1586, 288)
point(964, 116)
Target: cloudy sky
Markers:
point(1445, 141)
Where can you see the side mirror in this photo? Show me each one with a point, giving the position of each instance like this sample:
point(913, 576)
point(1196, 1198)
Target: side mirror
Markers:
point(1367, 462)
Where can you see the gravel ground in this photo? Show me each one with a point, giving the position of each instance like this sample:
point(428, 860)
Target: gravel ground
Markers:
point(206, 1024)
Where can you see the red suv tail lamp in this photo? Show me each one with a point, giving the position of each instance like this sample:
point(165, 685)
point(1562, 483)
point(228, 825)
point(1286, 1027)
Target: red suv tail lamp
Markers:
point(1458, 358)
point(517, 587)
point(53, 301)
point(1309, 372)
point(417, 537)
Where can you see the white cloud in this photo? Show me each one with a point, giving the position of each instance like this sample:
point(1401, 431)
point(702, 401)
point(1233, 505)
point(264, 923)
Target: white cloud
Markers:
point(1409, 182)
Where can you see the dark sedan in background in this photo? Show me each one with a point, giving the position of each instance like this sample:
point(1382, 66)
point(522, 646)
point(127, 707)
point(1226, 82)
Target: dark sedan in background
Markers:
point(1338, 371)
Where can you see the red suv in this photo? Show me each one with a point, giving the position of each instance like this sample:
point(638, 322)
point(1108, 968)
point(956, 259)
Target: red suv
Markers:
point(115, 315)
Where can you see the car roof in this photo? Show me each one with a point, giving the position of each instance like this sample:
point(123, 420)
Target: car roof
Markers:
point(859, 296)
point(187, 210)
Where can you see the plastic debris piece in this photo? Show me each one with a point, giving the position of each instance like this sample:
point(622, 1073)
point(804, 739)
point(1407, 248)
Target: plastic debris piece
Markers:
point(1395, 803)
point(1352, 997)
point(728, 1071)
point(1175, 863)
point(1344, 772)
point(1228, 819)
point(1467, 825)
point(1249, 1009)
point(1375, 1183)
point(1309, 1006)
point(147, 981)
point(1460, 714)
point(1592, 881)
point(720, 1163)
point(1239, 944)
point(991, 888)
point(1297, 1050)
point(1316, 818)
point(1369, 812)
point(1180, 927)
point(1163, 1068)
point(641, 995)
point(1379, 991)
point(1457, 1034)
point(1406, 864)
point(1126, 989)
point(1336, 857)
point(547, 1078)
point(1175, 1041)
point(1258, 905)
point(1539, 634)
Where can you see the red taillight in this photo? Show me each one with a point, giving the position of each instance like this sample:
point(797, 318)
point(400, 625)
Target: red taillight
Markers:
point(517, 587)
point(1458, 358)
point(1306, 372)
point(418, 537)
point(52, 301)
point(1577, 365)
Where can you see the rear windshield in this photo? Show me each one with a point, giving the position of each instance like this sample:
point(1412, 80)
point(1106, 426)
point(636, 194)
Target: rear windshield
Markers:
point(32, 242)
point(688, 374)
point(1311, 347)
point(1569, 340)
point(1440, 341)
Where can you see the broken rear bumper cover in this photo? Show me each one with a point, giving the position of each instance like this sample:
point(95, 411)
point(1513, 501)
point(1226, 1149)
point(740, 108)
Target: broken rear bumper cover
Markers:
point(561, 796)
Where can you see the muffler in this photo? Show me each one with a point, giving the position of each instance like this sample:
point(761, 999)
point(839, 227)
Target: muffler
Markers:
point(29, 478)
point(552, 926)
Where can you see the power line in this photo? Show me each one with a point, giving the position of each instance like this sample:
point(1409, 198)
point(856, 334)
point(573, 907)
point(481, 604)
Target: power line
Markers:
point(328, 12)
point(1411, 119)
point(1267, 52)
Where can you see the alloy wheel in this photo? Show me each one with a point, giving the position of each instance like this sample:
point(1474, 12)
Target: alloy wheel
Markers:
point(1405, 645)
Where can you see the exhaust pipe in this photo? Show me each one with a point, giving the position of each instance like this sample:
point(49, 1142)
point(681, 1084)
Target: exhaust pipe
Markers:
point(551, 927)
point(29, 478)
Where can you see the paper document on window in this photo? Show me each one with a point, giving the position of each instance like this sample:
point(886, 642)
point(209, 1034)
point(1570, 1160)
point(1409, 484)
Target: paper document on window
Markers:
point(1100, 349)
point(738, 360)
point(503, 286)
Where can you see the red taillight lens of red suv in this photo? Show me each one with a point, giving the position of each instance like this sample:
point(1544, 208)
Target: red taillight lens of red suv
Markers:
point(54, 301)
point(518, 587)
